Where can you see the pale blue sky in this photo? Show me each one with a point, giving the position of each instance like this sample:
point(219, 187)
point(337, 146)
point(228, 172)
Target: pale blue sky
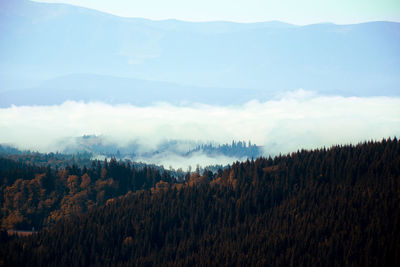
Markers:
point(293, 11)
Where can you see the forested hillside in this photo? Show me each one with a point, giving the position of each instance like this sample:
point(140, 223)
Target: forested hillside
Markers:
point(38, 196)
point(327, 207)
point(55, 160)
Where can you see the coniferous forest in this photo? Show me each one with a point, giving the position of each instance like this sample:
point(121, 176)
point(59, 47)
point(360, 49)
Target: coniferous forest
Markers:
point(327, 207)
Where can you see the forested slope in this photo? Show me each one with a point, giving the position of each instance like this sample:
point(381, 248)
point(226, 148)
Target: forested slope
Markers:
point(327, 207)
point(37, 196)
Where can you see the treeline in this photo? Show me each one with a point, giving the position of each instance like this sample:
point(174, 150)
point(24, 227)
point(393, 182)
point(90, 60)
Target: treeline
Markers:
point(37, 196)
point(54, 160)
point(239, 149)
point(327, 207)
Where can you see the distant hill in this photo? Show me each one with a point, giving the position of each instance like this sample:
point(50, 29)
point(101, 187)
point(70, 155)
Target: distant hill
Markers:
point(54, 160)
point(236, 149)
point(43, 44)
point(99, 145)
point(120, 90)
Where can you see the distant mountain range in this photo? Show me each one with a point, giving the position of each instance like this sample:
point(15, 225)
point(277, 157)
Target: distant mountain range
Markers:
point(55, 52)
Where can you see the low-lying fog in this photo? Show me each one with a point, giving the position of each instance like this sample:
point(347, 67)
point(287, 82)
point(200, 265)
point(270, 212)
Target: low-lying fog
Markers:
point(294, 120)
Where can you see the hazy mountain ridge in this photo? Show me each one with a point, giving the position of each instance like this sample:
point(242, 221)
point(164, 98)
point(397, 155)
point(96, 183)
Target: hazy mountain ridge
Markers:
point(122, 90)
point(40, 42)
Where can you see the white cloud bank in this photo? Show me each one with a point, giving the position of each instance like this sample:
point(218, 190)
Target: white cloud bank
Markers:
point(295, 120)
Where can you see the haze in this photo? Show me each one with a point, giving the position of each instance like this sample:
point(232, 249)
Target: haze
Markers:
point(296, 120)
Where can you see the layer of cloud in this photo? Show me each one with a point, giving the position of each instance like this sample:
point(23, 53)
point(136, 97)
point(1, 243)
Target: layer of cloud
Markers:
point(176, 161)
point(295, 120)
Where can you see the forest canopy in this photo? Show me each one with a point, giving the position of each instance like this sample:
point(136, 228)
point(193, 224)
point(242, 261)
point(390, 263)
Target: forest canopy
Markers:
point(326, 207)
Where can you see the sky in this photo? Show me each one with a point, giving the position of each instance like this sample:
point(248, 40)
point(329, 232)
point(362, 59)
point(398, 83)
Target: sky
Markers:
point(292, 11)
